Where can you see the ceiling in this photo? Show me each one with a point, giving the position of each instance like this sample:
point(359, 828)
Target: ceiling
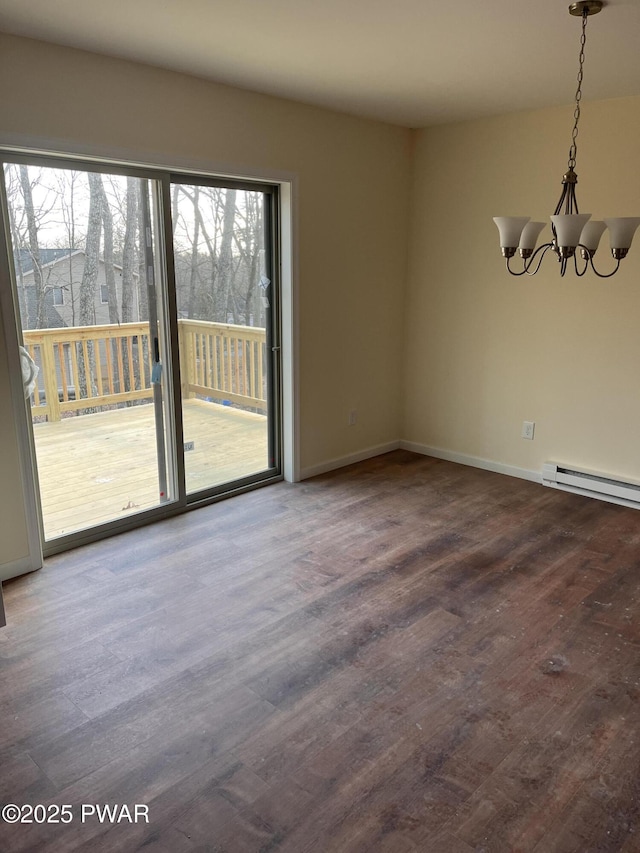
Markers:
point(407, 62)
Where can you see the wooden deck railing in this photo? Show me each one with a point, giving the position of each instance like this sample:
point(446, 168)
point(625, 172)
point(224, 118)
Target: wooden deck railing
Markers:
point(93, 366)
point(224, 362)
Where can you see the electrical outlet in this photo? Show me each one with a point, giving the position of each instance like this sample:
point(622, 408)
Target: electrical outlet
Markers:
point(353, 417)
point(528, 428)
point(189, 445)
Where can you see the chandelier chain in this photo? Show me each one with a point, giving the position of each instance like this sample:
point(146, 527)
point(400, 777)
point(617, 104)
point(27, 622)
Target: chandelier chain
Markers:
point(573, 150)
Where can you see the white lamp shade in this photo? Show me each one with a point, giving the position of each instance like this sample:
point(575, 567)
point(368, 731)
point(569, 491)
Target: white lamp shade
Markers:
point(621, 230)
point(569, 227)
point(510, 228)
point(530, 234)
point(591, 234)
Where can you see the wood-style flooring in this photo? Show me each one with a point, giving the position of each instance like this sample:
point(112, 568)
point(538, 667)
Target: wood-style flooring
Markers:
point(403, 655)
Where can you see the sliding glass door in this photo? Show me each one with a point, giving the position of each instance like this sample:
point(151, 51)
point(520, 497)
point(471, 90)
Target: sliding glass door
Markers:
point(225, 303)
point(93, 327)
point(148, 317)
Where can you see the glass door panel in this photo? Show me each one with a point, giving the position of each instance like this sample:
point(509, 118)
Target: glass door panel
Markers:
point(94, 333)
point(222, 257)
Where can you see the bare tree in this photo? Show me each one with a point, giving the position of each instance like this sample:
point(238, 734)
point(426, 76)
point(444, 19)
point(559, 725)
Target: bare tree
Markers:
point(226, 271)
point(203, 304)
point(109, 269)
point(129, 272)
point(92, 252)
point(222, 287)
point(67, 186)
point(193, 276)
point(248, 237)
point(129, 252)
point(12, 186)
point(143, 297)
point(143, 291)
point(175, 206)
point(90, 279)
point(34, 247)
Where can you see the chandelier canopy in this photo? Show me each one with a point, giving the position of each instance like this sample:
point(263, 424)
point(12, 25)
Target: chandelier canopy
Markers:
point(571, 230)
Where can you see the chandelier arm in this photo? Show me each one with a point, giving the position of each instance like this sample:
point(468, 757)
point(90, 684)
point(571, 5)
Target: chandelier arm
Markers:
point(563, 267)
point(558, 209)
point(544, 249)
point(572, 202)
point(604, 275)
point(529, 262)
point(575, 263)
point(513, 272)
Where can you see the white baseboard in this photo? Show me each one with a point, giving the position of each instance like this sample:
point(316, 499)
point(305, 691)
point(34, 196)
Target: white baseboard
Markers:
point(473, 461)
point(424, 450)
point(343, 461)
point(23, 566)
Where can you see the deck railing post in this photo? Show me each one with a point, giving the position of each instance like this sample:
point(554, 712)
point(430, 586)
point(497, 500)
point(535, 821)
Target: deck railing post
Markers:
point(50, 378)
point(187, 359)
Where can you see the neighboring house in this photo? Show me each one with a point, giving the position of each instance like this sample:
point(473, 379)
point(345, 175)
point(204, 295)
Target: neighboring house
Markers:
point(62, 271)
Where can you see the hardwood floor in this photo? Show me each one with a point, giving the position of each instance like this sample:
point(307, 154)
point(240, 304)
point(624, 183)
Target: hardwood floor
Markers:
point(405, 655)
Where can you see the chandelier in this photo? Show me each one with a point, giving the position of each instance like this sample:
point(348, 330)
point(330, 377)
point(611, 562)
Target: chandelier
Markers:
point(571, 230)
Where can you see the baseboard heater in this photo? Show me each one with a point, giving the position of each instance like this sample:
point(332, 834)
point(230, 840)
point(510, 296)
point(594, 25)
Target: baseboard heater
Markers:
point(590, 484)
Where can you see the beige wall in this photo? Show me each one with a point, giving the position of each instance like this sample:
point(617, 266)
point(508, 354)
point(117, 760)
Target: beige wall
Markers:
point(352, 189)
point(485, 351)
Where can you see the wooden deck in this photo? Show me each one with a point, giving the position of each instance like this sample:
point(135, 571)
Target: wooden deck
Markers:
point(101, 467)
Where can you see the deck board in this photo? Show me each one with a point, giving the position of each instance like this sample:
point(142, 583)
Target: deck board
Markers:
point(100, 467)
